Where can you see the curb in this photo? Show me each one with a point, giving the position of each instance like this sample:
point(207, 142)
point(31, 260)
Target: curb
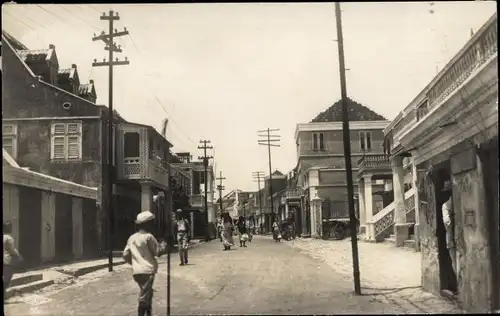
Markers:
point(85, 270)
point(26, 279)
point(27, 288)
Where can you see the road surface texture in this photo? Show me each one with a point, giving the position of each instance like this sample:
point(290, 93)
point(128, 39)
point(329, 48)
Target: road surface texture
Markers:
point(389, 273)
point(264, 278)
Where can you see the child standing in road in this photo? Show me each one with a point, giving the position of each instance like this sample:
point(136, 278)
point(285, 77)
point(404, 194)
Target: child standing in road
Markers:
point(141, 252)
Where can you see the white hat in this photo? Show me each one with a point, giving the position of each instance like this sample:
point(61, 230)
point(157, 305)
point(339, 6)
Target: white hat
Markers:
point(179, 210)
point(144, 217)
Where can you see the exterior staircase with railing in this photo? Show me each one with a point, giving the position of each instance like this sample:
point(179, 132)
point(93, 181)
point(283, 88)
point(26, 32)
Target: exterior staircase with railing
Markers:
point(381, 226)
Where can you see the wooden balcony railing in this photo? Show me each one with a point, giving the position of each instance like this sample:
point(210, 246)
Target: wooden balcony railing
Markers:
point(293, 193)
point(153, 170)
point(475, 53)
point(197, 200)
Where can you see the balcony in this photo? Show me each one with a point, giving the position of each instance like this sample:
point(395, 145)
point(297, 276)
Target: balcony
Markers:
point(197, 200)
point(374, 164)
point(466, 65)
point(141, 155)
point(293, 194)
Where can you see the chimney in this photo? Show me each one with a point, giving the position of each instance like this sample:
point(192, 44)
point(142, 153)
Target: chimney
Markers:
point(73, 66)
point(52, 46)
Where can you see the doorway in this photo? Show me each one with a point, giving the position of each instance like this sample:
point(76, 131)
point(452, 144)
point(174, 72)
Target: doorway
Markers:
point(489, 158)
point(447, 276)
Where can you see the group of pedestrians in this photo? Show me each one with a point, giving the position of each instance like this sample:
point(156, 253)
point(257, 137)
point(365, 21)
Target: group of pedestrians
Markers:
point(226, 229)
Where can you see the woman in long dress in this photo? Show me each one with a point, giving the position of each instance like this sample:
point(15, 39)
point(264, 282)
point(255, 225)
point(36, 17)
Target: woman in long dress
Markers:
point(227, 231)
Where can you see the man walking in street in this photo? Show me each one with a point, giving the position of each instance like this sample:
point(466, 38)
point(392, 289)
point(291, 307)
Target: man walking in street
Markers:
point(141, 251)
point(182, 231)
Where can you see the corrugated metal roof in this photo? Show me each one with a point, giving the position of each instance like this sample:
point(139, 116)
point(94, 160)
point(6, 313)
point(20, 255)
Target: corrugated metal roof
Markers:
point(35, 55)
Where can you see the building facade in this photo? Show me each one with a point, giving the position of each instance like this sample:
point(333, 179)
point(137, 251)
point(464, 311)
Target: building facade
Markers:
point(52, 125)
point(320, 167)
point(450, 133)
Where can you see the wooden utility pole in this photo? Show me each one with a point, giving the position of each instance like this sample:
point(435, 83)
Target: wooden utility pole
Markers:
point(268, 141)
point(220, 187)
point(205, 159)
point(258, 176)
point(347, 153)
point(111, 47)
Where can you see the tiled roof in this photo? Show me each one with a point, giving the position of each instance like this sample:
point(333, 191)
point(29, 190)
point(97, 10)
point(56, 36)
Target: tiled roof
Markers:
point(68, 73)
point(356, 112)
point(35, 55)
point(85, 89)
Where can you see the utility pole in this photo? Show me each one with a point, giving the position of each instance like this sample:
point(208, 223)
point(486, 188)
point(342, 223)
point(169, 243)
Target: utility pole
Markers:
point(205, 166)
point(347, 153)
point(268, 140)
point(220, 187)
point(258, 176)
point(111, 47)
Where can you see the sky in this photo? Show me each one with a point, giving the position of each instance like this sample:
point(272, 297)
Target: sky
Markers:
point(224, 71)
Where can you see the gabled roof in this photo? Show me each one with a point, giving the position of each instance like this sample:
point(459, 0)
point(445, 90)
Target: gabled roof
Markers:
point(68, 73)
point(356, 112)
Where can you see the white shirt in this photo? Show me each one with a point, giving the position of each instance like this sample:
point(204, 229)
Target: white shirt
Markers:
point(143, 249)
point(447, 209)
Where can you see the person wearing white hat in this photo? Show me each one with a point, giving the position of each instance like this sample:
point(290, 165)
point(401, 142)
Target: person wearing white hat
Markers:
point(141, 252)
point(182, 230)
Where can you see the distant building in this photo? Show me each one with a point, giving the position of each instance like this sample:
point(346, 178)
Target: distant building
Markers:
point(321, 167)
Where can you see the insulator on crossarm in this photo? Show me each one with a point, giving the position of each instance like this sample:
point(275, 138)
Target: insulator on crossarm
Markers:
point(119, 47)
point(95, 60)
point(126, 59)
point(102, 33)
point(116, 31)
point(104, 60)
point(104, 14)
point(94, 35)
point(116, 58)
point(125, 29)
point(116, 14)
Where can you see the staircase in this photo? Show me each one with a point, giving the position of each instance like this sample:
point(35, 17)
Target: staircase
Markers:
point(381, 226)
point(409, 243)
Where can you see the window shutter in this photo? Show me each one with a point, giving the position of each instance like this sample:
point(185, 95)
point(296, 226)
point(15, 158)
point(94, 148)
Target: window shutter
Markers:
point(368, 140)
point(362, 140)
point(58, 145)
point(73, 147)
point(8, 129)
point(315, 141)
point(58, 129)
point(74, 128)
point(321, 142)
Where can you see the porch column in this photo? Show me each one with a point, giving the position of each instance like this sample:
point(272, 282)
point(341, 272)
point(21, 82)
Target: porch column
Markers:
point(146, 197)
point(400, 226)
point(416, 233)
point(286, 210)
point(362, 209)
point(192, 224)
point(368, 197)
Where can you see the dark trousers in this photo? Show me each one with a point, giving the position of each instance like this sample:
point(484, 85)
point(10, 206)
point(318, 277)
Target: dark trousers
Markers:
point(8, 272)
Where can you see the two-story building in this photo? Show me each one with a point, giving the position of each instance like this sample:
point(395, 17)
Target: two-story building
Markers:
point(196, 171)
point(449, 132)
point(52, 125)
point(321, 171)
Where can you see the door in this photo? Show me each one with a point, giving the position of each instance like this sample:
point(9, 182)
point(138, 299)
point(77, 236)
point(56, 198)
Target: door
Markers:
point(63, 228)
point(90, 236)
point(30, 225)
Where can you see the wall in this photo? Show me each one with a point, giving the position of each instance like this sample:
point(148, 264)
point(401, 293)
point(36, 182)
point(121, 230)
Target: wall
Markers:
point(49, 217)
point(24, 97)
point(334, 176)
point(471, 229)
point(334, 142)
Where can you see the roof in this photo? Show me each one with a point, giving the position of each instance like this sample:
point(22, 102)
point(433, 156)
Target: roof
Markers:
point(29, 56)
point(356, 112)
point(86, 89)
point(14, 42)
point(68, 73)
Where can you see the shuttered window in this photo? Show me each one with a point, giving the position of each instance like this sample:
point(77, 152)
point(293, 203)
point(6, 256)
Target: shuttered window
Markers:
point(9, 139)
point(66, 141)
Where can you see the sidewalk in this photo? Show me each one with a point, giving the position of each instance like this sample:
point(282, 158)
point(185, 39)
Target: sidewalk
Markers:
point(392, 275)
point(64, 274)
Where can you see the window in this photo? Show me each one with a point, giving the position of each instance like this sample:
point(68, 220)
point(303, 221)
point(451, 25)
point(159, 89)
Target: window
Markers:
point(365, 141)
point(422, 110)
point(131, 142)
point(318, 142)
point(66, 141)
point(9, 139)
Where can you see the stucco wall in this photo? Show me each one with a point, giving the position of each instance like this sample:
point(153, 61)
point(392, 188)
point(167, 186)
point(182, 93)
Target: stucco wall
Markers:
point(471, 231)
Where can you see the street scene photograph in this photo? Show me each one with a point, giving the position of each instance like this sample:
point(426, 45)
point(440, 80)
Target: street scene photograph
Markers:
point(313, 158)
